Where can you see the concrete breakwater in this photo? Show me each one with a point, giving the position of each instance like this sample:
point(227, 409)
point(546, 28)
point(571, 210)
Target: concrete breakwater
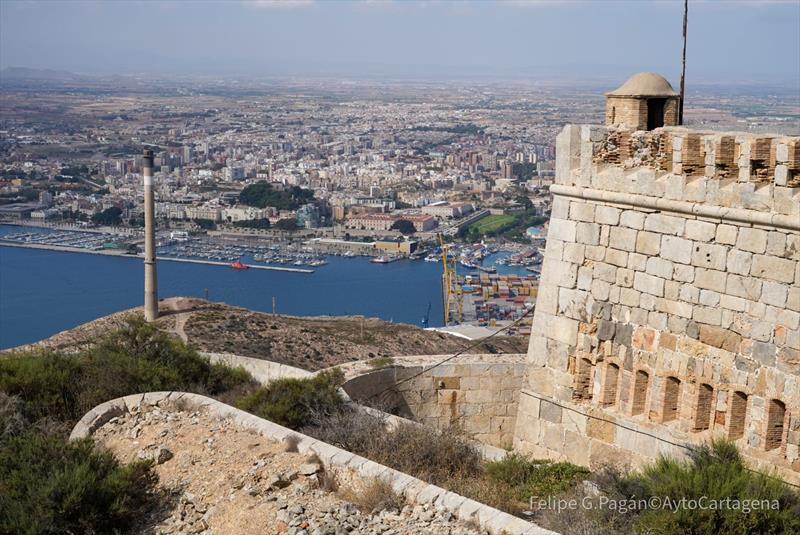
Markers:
point(66, 249)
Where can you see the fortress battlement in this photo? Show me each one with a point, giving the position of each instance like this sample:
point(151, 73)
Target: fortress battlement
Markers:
point(730, 170)
point(668, 310)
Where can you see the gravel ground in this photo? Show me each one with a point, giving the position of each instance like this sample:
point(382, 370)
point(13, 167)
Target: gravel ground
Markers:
point(217, 478)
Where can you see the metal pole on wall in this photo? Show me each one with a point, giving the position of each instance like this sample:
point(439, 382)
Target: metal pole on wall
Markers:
point(683, 61)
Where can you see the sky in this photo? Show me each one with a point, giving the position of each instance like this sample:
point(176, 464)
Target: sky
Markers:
point(729, 40)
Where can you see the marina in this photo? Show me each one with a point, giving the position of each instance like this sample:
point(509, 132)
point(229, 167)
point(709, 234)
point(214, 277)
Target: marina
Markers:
point(121, 254)
point(102, 279)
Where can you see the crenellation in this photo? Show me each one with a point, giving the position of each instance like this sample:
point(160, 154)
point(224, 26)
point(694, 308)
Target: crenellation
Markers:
point(703, 168)
point(681, 318)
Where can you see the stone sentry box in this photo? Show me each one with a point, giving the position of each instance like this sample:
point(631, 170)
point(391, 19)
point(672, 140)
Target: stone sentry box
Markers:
point(669, 304)
point(644, 102)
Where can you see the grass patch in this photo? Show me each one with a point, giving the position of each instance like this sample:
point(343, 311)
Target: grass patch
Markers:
point(380, 362)
point(491, 223)
point(529, 478)
point(510, 226)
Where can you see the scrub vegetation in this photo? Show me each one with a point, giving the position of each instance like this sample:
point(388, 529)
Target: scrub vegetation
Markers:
point(49, 485)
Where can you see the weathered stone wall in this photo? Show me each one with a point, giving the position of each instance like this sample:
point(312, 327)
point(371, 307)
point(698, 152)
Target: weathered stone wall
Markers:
point(478, 393)
point(631, 112)
point(669, 304)
point(626, 111)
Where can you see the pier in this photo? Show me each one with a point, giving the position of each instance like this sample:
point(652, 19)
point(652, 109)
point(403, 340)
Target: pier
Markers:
point(226, 264)
point(117, 253)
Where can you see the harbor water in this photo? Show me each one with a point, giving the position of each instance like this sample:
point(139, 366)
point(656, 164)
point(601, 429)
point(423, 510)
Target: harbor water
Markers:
point(44, 292)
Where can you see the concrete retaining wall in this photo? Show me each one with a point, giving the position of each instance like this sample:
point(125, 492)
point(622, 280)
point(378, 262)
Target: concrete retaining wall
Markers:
point(335, 459)
point(262, 371)
point(265, 371)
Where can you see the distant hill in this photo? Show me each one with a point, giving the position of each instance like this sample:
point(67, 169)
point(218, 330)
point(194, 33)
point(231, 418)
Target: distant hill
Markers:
point(26, 73)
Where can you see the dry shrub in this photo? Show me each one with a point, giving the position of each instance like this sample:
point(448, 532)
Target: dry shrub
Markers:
point(432, 455)
point(589, 517)
point(374, 496)
point(326, 481)
point(12, 417)
point(487, 491)
point(290, 443)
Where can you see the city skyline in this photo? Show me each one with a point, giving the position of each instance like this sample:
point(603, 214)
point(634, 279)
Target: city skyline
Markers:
point(544, 40)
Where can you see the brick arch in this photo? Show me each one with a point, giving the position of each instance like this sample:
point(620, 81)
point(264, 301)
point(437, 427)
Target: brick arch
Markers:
point(738, 402)
point(584, 375)
point(704, 405)
point(775, 425)
point(611, 381)
point(671, 399)
point(641, 387)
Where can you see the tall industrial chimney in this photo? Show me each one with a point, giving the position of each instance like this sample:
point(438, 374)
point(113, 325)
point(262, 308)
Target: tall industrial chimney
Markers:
point(150, 282)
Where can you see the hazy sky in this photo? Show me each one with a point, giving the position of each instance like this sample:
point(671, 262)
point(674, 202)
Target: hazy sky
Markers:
point(750, 40)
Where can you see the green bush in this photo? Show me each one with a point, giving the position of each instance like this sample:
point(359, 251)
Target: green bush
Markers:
point(715, 472)
point(136, 358)
point(531, 478)
point(292, 402)
point(47, 382)
point(49, 486)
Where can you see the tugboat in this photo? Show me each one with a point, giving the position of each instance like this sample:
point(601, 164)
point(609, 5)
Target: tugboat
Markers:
point(238, 265)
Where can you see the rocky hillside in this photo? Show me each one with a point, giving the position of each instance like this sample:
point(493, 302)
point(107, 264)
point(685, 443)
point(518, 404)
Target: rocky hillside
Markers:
point(311, 343)
point(218, 478)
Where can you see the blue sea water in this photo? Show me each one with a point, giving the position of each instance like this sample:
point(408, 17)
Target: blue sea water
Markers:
point(45, 292)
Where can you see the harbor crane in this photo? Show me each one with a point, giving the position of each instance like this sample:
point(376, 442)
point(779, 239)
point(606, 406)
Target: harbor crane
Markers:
point(451, 289)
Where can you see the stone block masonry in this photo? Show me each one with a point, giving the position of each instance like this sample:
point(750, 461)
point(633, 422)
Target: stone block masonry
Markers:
point(477, 393)
point(683, 320)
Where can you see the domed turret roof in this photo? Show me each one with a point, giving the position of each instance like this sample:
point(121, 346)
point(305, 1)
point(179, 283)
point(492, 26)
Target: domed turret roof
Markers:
point(644, 84)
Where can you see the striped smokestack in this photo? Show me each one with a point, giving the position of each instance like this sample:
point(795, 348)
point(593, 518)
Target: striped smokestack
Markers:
point(150, 282)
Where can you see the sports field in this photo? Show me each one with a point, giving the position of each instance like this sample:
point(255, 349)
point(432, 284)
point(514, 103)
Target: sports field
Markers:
point(491, 223)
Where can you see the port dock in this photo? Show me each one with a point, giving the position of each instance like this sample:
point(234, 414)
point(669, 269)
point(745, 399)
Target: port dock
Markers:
point(121, 254)
point(227, 264)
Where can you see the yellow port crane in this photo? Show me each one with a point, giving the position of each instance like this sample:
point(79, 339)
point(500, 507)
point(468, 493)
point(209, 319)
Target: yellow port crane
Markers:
point(451, 288)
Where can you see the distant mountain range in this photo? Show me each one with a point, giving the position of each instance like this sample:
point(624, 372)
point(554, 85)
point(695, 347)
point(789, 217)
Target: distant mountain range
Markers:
point(26, 73)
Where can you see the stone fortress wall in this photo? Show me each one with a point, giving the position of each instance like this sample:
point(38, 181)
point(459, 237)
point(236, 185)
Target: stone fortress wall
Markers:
point(477, 393)
point(669, 305)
